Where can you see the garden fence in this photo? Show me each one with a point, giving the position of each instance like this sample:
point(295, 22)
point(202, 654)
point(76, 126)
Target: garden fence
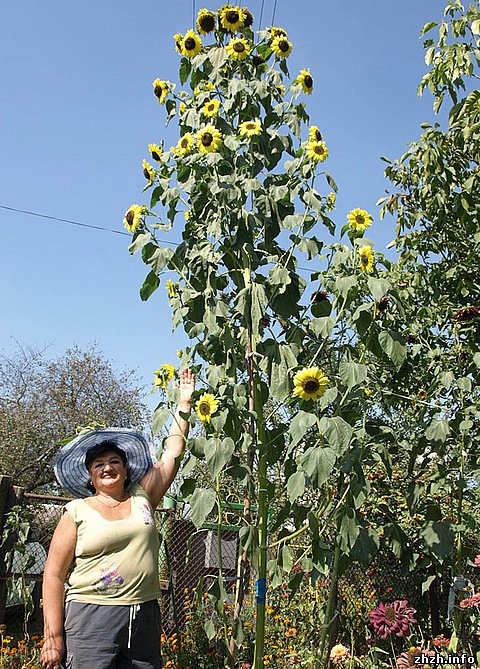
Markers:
point(188, 554)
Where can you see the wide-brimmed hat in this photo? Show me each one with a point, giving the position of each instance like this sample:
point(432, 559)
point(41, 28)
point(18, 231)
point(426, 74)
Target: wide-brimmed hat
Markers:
point(70, 469)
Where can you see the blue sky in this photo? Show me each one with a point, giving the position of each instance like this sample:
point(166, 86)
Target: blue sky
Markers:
point(77, 116)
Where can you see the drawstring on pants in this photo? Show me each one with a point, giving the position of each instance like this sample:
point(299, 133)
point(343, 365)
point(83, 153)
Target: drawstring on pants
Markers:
point(134, 609)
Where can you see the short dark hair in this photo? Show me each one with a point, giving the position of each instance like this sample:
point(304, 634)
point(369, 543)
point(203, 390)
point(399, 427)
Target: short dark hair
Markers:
point(105, 446)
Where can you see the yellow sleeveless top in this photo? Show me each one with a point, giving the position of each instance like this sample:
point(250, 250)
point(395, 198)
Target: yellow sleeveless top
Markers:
point(116, 561)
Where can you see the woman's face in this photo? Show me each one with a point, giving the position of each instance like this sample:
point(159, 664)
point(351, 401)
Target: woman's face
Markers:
point(108, 472)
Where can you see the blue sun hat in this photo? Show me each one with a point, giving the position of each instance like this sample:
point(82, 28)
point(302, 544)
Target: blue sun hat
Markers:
point(70, 470)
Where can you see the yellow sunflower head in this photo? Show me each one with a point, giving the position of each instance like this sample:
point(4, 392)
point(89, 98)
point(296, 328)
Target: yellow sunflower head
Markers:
point(182, 107)
point(231, 17)
point(248, 20)
point(305, 80)
point(367, 259)
point(281, 47)
point(314, 134)
point(185, 145)
point(277, 32)
point(317, 151)
point(160, 89)
point(205, 21)
point(134, 217)
point(359, 220)
point(191, 44)
point(422, 393)
point(206, 406)
point(178, 37)
point(170, 286)
point(250, 128)
point(209, 139)
point(330, 202)
point(210, 108)
point(156, 152)
point(148, 172)
point(238, 49)
point(309, 383)
point(280, 90)
point(163, 375)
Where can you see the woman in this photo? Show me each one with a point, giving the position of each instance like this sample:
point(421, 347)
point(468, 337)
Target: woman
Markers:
point(110, 618)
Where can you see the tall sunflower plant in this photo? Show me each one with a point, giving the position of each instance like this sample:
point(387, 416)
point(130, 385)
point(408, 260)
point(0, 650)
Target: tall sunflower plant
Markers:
point(285, 374)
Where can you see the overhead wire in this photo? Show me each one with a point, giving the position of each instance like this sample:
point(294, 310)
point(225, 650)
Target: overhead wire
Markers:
point(274, 10)
point(261, 14)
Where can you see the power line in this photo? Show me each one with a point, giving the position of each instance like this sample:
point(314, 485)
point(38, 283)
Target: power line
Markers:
point(261, 15)
point(274, 10)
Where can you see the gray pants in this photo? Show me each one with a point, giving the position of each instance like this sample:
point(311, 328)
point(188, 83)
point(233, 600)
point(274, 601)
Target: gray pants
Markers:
point(112, 637)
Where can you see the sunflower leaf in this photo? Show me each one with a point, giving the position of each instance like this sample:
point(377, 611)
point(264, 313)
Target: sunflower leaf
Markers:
point(218, 452)
point(298, 427)
point(296, 485)
point(337, 432)
point(317, 462)
point(393, 345)
point(149, 286)
point(201, 504)
point(352, 374)
point(185, 69)
point(160, 417)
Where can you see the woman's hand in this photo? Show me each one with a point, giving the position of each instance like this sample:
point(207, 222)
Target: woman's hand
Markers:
point(52, 653)
point(187, 386)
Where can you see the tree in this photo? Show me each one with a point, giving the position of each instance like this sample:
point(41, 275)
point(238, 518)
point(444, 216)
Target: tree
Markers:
point(43, 401)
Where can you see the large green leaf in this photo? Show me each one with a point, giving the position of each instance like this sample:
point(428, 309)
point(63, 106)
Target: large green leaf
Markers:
point(299, 425)
point(218, 452)
point(160, 417)
point(365, 547)
point(393, 345)
point(317, 462)
point(296, 485)
point(439, 537)
point(149, 286)
point(378, 287)
point(337, 432)
point(201, 503)
point(352, 373)
point(438, 430)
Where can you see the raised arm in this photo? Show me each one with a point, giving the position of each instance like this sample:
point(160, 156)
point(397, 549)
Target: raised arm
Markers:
point(158, 480)
point(60, 557)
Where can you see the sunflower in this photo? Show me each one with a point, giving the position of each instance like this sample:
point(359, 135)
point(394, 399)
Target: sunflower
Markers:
point(206, 406)
point(185, 145)
point(156, 152)
point(359, 220)
point(178, 37)
point(280, 90)
point(314, 134)
point(277, 32)
point(367, 259)
point(248, 20)
point(210, 108)
point(148, 172)
point(422, 393)
point(133, 217)
point(182, 107)
point(191, 44)
point(231, 18)
point(281, 47)
point(317, 151)
point(170, 286)
point(209, 139)
point(305, 80)
point(160, 89)
point(330, 201)
point(309, 383)
point(163, 375)
point(239, 49)
point(250, 128)
point(205, 21)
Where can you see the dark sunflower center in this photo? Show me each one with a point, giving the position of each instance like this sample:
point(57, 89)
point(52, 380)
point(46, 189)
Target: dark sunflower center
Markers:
point(232, 16)
point(146, 173)
point(211, 107)
point(308, 81)
point(190, 44)
point(239, 47)
point(158, 91)
point(207, 138)
point(318, 135)
point(207, 23)
point(130, 216)
point(390, 614)
point(251, 126)
point(360, 220)
point(204, 408)
point(311, 386)
point(248, 19)
point(364, 259)
point(319, 150)
point(155, 155)
point(283, 45)
point(184, 143)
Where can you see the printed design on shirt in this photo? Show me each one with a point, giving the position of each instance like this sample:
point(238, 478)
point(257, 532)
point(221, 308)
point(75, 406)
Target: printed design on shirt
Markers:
point(147, 514)
point(109, 580)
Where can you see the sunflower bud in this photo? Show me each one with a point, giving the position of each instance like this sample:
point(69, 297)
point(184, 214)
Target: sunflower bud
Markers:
point(319, 296)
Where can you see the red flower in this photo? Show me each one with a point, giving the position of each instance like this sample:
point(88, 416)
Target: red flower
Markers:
point(393, 618)
point(440, 641)
point(466, 314)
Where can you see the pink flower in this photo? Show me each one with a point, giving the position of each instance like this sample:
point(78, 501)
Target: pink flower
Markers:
point(477, 561)
point(407, 659)
point(469, 602)
point(393, 618)
point(440, 641)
